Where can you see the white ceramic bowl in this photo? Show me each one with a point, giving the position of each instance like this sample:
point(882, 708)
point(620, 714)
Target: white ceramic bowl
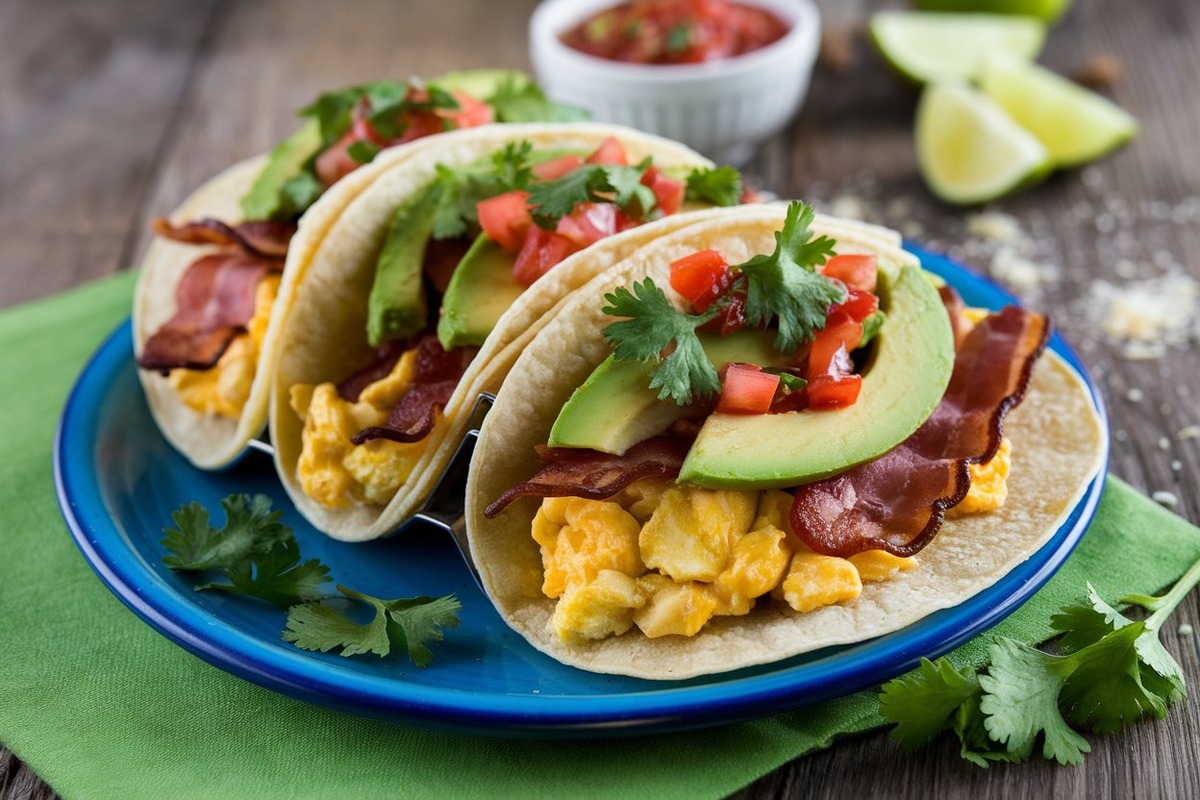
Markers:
point(723, 108)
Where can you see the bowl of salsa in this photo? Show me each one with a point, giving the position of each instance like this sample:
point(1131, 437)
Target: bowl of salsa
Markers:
point(719, 75)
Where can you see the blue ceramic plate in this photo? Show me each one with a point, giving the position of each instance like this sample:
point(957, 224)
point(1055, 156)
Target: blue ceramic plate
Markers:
point(118, 483)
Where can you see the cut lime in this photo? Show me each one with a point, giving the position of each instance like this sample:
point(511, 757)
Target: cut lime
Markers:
point(970, 150)
point(1049, 10)
point(925, 46)
point(1076, 125)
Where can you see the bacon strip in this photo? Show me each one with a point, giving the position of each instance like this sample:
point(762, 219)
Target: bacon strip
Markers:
point(570, 472)
point(435, 376)
point(898, 501)
point(215, 301)
point(265, 238)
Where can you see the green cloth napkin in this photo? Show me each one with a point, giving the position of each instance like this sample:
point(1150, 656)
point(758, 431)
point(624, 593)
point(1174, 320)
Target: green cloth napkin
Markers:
point(100, 705)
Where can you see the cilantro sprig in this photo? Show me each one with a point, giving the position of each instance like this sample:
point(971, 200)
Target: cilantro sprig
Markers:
point(1108, 672)
point(460, 189)
point(783, 288)
point(718, 186)
point(591, 183)
point(259, 557)
point(522, 100)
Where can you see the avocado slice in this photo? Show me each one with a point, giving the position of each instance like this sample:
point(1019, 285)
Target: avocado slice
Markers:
point(396, 307)
point(902, 384)
point(482, 288)
point(265, 199)
point(615, 408)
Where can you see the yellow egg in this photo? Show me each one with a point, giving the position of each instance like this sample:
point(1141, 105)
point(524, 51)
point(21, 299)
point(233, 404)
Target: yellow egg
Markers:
point(989, 484)
point(756, 566)
point(642, 497)
point(814, 581)
point(879, 565)
point(595, 535)
point(671, 608)
point(692, 531)
point(225, 388)
point(774, 510)
point(602, 607)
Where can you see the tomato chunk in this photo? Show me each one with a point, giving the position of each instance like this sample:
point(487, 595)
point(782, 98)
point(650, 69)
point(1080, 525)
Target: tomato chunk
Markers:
point(668, 191)
point(335, 162)
point(610, 151)
point(541, 251)
point(857, 306)
point(831, 348)
point(556, 168)
point(505, 219)
point(701, 278)
point(828, 392)
point(470, 113)
point(589, 223)
point(746, 389)
point(856, 271)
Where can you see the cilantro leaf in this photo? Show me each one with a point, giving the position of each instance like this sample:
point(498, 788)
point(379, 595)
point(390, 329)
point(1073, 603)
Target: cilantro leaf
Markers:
point(786, 285)
point(718, 186)
point(298, 193)
point(523, 101)
point(460, 189)
point(332, 110)
point(924, 702)
point(596, 183)
point(251, 527)
point(653, 327)
point(276, 576)
point(975, 744)
point(406, 622)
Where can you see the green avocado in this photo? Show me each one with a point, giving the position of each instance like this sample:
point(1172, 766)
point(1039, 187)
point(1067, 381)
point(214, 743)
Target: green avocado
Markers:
point(616, 408)
point(396, 307)
point(903, 382)
point(266, 199)
point(482, 288)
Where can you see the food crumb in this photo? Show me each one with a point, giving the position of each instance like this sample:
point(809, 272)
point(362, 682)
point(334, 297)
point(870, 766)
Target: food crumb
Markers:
point(1017, 271)
point(1100, 71)
point(1164, 443)
point(1134, 395)
point(1176, 466)
point(1184, 629)
point(1148, 316)
point(1190, 432)
point(1165, 499)
point(995, 226)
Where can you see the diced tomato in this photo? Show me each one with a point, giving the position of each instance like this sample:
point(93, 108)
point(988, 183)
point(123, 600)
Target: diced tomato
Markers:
point(746, 389)
point(831, 348)
point(701, 278)
point(505, 219)
point(541, 251)
point(610, 151)
point(669, 191)
point(827, 391)
point(856, 271)
point(556, 168)
point(732, 316)
point(589, 223)
point(857, 306)
point(470, 112)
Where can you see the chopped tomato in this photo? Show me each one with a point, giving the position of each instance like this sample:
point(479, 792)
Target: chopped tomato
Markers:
point(831, 348)
point(732, 316)
point(505, 219)
point(556, 168)
point(746, 389)
point(336, 163)
point(827, 391)
point(667, 190)
point(856, 271)
point(610, 151)
point(589, 223)
point(857, 306)
point(541, 251)
point(418, 125)
point(701, 278)
point(470, 112)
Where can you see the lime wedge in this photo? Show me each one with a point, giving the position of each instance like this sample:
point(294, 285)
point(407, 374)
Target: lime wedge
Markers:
point(926, 46)
point(1076, 125)
point(1049, 10)
point(970, 150)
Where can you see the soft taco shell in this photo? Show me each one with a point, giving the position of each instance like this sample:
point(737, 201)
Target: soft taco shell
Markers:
point(212, 441)
point(1058, 445)
point(323, 333)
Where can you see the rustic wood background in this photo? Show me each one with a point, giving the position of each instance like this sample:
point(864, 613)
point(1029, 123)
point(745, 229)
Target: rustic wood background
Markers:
point(111, 112)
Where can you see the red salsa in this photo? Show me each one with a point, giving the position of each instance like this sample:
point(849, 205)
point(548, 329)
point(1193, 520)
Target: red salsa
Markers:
point(675, 31)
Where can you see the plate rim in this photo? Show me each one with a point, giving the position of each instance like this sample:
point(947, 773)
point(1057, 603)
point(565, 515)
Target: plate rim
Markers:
point(665, 706)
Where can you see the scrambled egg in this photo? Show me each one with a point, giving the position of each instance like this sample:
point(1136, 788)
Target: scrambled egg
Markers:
point(224, 388)
point(333, 470)
point(668, 558)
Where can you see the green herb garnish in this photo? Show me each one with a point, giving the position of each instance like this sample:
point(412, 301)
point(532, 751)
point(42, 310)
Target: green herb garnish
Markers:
point(459, 190)
point(592, 183)
point(719, 186)
point(523, 101)
point(1108, 672)
point(260, 558)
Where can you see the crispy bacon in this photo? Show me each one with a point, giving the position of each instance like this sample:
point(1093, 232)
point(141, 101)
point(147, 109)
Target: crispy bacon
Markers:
point(897, 502)
point(267, 239)
point(215, 300)
point(435, 375)
point(956, 308)
point(386, 356)
point(570, 472)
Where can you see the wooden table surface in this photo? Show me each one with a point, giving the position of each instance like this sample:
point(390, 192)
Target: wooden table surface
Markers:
point(111, 112)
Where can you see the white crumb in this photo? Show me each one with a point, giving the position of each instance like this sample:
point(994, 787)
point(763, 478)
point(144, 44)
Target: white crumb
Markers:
point(1184, 629)
point(1134, 395)
point(996, 226)
point(1165, 499)
point(1190, 432)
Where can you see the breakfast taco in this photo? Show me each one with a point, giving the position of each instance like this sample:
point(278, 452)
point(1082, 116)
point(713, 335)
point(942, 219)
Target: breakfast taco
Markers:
point(761, 435)
point(209, 282)
point(427, 286)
